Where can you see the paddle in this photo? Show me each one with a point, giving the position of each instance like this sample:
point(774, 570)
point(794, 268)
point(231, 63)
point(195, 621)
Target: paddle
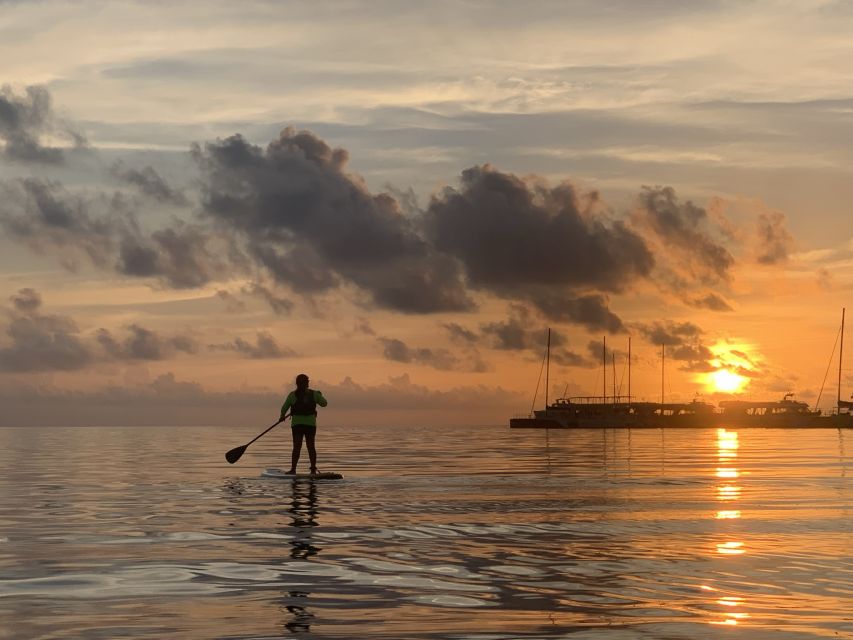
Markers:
point(236, 453)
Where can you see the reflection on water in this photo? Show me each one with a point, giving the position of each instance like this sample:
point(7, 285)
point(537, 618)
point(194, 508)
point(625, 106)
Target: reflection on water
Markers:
point(727, 453)
point(488, 534)
point(303, 513)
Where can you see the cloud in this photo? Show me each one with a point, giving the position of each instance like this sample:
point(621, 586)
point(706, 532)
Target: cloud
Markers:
point(523, 239)
point(180, 256)
point(711, 301)
point(683, 342)
point(441, 359)
point(458, 333)
point(149, 182)
point(279, 305)
point(686, 233)
point(103, 229)
point(362, 326)
point(43, 215)
point(669, 333)
point(775, 243)
point(37, 342)
point(590, 311)
point(519, 332)
point(144, 344)
point(233, 304)
point(26, 301)
point(24, 119)
point(265, 347)
point(312, 224)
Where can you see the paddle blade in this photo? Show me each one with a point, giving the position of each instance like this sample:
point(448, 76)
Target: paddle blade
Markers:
point(235, 454)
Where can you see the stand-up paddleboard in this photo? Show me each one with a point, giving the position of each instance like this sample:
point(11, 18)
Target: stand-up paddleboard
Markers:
point(281, 475)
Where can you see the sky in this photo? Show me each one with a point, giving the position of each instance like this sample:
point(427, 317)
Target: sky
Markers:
point(199, 201)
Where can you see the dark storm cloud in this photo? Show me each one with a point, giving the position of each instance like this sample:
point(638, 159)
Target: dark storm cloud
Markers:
point(308, 220)
point(711, 301)
point(774, 241)
point(687, 232)
point(144, 344)
point(265, 347)
point(24, 119)
point(519, 239)
point(37, 342)
point(149, 182)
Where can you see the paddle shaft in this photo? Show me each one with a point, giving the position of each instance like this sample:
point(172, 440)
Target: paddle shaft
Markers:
point(267, 430)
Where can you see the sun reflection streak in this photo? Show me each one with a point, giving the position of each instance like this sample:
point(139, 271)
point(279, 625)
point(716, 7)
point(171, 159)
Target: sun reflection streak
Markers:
point(727, 453)
point(732, 548)
point(728, 515)
point(727, 473)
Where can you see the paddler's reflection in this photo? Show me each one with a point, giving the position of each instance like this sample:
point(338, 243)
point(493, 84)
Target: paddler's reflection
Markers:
point(301, 621)
point(303, 515)
point(303, 511)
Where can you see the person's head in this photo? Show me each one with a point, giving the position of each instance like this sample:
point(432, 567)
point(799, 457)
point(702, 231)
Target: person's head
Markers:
point(302, 381)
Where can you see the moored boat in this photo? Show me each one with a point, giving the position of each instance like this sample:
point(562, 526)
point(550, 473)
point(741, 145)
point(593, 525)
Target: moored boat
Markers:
point(624, 412)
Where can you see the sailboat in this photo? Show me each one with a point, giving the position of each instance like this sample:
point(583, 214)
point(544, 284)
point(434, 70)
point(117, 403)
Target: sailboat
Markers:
point(618, 411)
point(615, 411)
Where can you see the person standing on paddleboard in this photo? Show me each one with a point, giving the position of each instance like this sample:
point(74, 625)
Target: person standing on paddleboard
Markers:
point(302, 403)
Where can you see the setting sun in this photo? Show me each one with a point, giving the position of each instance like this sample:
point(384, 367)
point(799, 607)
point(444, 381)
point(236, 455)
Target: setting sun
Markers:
point(727, 382)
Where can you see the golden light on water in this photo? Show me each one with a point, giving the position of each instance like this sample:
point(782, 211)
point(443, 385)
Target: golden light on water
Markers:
point(731, 548)
point(728, 492)
point(728, 515)
point(727, 453)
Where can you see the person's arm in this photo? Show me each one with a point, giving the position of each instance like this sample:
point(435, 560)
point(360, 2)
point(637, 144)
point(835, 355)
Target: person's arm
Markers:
point(287, 404)
point(319, 399)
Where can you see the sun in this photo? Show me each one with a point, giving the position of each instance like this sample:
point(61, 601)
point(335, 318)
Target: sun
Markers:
point(727, 381)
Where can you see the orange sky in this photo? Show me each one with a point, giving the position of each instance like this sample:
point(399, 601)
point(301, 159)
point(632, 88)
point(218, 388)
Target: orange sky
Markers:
point(197, 210)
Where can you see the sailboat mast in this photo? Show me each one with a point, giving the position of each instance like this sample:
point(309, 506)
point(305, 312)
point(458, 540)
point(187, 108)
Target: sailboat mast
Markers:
point(613, 371)
point(604, 369)
point(840, 361)
point(547, 366)
point(629, 369)
point(662, 369)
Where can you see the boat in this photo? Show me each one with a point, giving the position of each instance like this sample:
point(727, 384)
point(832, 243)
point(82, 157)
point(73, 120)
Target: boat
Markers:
point(786, 412)
point(618, 411)
point(615, 411)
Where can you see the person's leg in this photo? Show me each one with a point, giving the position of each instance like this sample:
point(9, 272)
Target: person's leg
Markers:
point(297, 447)
point(310, 437)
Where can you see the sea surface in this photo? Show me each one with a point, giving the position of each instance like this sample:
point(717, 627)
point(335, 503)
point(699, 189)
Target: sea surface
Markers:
point(482, 533)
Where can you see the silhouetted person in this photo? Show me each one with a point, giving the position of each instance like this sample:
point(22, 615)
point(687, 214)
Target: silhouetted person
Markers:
point(302, 403)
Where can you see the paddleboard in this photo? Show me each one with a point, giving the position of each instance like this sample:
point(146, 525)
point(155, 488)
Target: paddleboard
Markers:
point(281, 475)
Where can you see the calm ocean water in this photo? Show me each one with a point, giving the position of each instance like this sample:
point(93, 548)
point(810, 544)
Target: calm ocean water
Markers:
point(479, 534)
